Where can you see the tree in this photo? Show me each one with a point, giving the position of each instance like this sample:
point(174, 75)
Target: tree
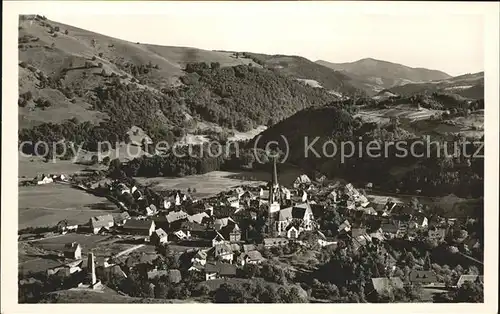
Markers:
point(106, 161)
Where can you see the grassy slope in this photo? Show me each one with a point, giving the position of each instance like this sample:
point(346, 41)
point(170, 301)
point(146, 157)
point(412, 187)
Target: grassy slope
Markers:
point(76, 48)
point(469, 86)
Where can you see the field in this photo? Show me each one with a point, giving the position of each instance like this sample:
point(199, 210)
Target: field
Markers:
point(45, 205)
point(105, 295)
point(40, 255)
point(212, 183)
point(401, 111)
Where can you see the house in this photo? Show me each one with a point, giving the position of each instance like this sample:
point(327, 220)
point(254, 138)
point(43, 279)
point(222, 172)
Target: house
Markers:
point(470, 278)
point(104, 262)
point(72, 250)
point(219, 270)
point(292, 232)
point(172, 200)
point(193, 229)
point(167, 203)
point(198, 218)
point(43, 179)
point(326, 242)
point(423, 277)
point(345, 226)
point(385, 285)
point(121, 218)
point(155, 273)
point(180, 235)
point(419, 222)
point(232, 201)
point(231, 232)
point(60, 177)
point(222, 252)
point(248, 196)
point(370, 211)
point(272, 242)
point(222, 222)
point(436, 234)
point(174, 216)
point(209, 209)
point(251, 257)
point(139, 227)
point(218, 239)
point(150, 210)
point(101, 222)
point(121, 188)
point(302, 180)
point(159, 237)
point(249, 247)
point(301, 214)
point(65, 226)
point(200, 257)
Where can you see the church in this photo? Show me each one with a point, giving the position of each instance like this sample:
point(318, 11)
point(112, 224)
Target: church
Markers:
point(289, 221)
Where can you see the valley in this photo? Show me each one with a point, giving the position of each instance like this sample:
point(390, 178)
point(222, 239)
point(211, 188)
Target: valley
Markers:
point(190, 224)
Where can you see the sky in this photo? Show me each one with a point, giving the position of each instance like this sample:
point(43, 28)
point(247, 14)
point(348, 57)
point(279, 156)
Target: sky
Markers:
point(446, 42)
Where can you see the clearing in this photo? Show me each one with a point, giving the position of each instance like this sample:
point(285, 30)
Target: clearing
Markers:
point(45, 205)
point(214, 182)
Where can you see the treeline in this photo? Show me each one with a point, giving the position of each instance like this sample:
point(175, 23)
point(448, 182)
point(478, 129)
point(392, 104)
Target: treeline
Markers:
point(196, 159)
point(243, 97)
point(239, 97)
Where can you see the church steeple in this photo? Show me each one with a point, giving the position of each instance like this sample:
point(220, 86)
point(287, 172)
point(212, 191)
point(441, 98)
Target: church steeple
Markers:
point(274, 180)
point(274, 190)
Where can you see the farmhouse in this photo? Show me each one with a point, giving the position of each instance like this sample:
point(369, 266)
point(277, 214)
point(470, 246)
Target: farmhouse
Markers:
point(385, 285)
point(139, 227)
point(43, 179)
point(174, 216)
point(101, 222)
point(159, 236)
point(72, 250)
point(423, 277)
point(219, 270)
point(470, 278)
point(232, 201)
point(252, 257)
point(222, 252)
point(65, 226)
point(437, 234)
point(271, 242)
point(231, 232)
point(121, 218)
point(198, 218)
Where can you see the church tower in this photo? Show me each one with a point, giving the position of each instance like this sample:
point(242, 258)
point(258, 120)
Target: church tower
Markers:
point(274, 190)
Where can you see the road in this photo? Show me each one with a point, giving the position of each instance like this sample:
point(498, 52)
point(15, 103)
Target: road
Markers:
point(127, 251)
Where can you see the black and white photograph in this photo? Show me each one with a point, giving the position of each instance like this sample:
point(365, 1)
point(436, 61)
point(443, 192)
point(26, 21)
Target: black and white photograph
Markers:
point(316, 154)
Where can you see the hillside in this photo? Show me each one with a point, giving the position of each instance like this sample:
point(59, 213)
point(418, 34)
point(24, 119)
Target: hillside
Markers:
point(470, 86)
point(325, 129)
point(85, 87)
point(376, 75)
point(304, 69)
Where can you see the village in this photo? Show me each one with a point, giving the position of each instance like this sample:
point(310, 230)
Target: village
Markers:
point(220, 238)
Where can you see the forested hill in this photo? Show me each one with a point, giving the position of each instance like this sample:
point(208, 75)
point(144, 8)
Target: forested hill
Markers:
point(86, 87)
point(304, 69)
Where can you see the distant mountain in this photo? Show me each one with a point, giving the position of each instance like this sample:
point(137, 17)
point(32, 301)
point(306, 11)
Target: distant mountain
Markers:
point(376, 75)
point(309, 72)
point(470, 86)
